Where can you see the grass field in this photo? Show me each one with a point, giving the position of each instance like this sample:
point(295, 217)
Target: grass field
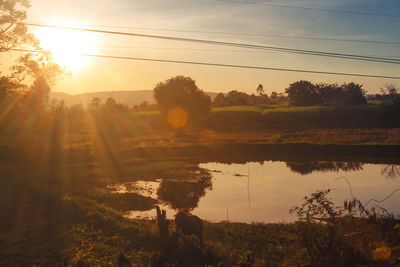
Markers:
point(273, 124)
point(270, 117)
point(55, 209)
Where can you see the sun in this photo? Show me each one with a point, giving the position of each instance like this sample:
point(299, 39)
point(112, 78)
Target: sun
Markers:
point(67, 46)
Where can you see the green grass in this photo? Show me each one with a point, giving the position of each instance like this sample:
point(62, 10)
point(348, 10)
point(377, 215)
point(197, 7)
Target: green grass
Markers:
point(369, 124)
point(258, 108)
point(256, 118)
point(371, 106)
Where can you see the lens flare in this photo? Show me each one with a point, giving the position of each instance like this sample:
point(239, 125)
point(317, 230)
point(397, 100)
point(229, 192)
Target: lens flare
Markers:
point(177, 117)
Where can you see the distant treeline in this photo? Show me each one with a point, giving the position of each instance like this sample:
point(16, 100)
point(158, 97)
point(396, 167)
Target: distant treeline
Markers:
point(305, 93)
point(236, 98)
point(300, 93)
point(110, 104)
point(338, 106)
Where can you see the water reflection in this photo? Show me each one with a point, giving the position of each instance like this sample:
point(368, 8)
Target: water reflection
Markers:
point(272, 188)
point(307, 167)
point(144, 188)
point(391, 171)
point(184, 195)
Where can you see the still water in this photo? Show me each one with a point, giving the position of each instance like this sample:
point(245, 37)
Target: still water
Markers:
point(264, 192)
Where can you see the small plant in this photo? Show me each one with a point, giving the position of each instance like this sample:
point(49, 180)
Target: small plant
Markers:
point(342, 236)
point(316, 208)
point(320, 232)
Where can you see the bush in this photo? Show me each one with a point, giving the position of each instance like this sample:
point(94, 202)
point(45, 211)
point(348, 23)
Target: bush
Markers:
point(179, 97)
point(335, 236)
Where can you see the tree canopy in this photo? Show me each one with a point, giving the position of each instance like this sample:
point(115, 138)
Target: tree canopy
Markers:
point(180, 98)
point(305, 93)
point(24, 92)
point(391, 91)
point(12, 33)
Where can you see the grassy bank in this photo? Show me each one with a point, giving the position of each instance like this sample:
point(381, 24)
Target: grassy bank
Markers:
point(43, 227)
point(63, 215)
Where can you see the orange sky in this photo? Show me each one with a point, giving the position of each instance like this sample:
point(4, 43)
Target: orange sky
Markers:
point(88, 75)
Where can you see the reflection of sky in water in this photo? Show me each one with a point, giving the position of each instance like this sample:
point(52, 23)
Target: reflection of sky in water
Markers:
point(272, 189)
point(144, 188)
point(150, 214)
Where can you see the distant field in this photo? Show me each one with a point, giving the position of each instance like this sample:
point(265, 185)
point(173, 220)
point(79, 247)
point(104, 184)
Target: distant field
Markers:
point(372, 115)
point(372, 105)
point(268, 124)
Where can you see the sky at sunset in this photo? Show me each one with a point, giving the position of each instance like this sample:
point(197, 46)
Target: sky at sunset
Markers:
point(235, 22)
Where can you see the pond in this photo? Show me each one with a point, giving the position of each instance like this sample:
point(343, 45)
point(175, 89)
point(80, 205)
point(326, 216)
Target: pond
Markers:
point(264, 192)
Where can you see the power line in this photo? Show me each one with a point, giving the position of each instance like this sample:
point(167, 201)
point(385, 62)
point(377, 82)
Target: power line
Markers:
point(240, 34)
point(243, 45)
point(228, 65)
point(246, 50)
point(172, 48)
point(200, 49)
point(196, 49)
point(312, 8)
point(244, 66)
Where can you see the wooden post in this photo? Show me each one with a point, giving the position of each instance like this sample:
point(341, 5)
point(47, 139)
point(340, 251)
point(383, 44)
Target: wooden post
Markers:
point(163, 227)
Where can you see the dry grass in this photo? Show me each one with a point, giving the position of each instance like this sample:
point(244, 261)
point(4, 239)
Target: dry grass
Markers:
point(308, 136)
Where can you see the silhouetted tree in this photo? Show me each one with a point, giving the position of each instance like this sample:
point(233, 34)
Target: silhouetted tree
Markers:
point(110, 104)
point(236, 98)
point(219, 100)
point(330, 93)
point(260, 89)
point(391, 91)
point(353, 94)
point(8, 88)
point(10, 106)
point(29, 121)
point(39, 92)
point(12, 32)
point(36, 66)
point(305, 93)
point(182, 94)
point(95, 104)
point(263, 99)
point(135, 108)
point(30, 67)
point(144, 106)
point(302, 93)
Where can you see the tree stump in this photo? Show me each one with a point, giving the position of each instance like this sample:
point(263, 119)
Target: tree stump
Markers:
point(163, 228)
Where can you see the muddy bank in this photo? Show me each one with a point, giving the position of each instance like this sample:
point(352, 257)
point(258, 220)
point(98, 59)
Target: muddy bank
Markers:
point(228, 153)
point(241, 153)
